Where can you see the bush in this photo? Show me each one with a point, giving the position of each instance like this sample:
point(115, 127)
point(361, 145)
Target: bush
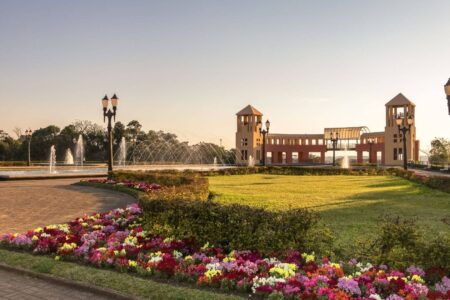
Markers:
point(175, 185)
point(399, 243)
point(232, 226)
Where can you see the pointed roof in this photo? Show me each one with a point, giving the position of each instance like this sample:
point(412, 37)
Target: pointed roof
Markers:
point(249, 110)
point(399, 100)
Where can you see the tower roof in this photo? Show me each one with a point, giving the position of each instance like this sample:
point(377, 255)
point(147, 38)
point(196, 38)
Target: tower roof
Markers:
point(399, 100)
point(249, 110)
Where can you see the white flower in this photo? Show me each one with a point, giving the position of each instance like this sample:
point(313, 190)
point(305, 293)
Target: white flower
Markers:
point(271, 281)
point(375, 296)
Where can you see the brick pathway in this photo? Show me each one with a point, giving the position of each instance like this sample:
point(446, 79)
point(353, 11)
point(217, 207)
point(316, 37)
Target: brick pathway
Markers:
point(15, 286)
point(32, 203)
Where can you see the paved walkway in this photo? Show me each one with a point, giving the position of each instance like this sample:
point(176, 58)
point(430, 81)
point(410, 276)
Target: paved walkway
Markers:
point(29, 204)
point(15, 286)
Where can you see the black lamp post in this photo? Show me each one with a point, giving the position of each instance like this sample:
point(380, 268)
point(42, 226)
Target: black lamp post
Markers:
point(28, 134)
point(107, 113)
point(334, 137)
point(447, 92)
point(264, 133)
point(404, 130)
point(370, 141)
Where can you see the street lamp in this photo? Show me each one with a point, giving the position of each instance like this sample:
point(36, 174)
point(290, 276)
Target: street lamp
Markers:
point(334, 137)
point(370, 141)
point(107, 113)
point(447, 92)
point(404, 130)
point(264, 132)
point(28, 134)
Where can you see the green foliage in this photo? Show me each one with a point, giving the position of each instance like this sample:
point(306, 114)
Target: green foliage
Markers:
point(292, 170)
point(440, 151)
point(441, 183)
point(175, 185)
point(232, 226)
point(400, 243)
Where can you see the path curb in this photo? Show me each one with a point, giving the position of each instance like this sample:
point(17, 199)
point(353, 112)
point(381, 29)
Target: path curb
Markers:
point(111, 294)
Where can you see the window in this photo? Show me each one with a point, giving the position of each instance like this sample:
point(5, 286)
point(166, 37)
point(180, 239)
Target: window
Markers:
point(395, 138)
point(400, 154)
point(306, 142)
point(300, 142)
point(395, 154)
point(244, 142)
point(320, 142)
point(243, 154)
point(283, 157)
point(278, 141)
point(313, 142)
point(295, 157)
point(268, 157)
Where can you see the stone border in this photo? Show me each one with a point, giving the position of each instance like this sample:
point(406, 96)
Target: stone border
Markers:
point(112, 294)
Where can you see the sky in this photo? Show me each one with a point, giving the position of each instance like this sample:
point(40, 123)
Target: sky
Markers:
point(188, 66)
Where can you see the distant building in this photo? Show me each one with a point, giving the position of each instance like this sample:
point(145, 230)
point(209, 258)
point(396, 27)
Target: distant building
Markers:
point(296, 149)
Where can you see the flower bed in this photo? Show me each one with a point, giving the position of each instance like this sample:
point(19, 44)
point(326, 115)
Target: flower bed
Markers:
point(117, 239)
point(138, 185)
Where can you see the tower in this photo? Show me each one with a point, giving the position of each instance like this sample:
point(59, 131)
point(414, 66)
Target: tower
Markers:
point(400, 106)
point(248, 136)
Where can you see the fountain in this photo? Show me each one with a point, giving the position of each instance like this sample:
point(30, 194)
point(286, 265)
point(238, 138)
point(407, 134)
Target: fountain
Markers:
point(345, 161)
point(68, 159)
point(122, 152)
point(251, 161)
point(79, 151)
point(215, 161)
point(52, 160)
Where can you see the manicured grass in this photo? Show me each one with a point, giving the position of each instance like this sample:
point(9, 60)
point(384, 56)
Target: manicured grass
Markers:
point(121, 282)
point(351, 205)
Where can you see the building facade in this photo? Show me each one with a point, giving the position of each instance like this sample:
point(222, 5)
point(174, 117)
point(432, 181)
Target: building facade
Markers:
point(385, 147)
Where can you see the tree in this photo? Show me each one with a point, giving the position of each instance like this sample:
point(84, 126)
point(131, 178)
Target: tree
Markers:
point(440, 151)
point(42, 140)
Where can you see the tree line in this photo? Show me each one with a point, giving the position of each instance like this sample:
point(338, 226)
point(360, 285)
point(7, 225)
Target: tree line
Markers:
point(152, 146)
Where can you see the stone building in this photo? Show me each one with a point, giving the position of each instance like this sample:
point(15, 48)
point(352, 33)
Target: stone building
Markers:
point(297, 149)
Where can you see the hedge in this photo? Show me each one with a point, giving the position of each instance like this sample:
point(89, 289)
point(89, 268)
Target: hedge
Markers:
point(236, 226)
point(175, 185)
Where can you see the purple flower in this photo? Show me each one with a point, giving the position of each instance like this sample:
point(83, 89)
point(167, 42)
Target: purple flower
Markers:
point(443, 286)
point(394, 297)
point(349, 285)
point(413, 270)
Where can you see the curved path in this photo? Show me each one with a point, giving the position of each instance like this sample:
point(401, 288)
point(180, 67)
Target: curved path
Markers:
point(29, 204)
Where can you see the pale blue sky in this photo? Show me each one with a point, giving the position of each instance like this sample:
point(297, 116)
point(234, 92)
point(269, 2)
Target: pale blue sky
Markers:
point(189, 66)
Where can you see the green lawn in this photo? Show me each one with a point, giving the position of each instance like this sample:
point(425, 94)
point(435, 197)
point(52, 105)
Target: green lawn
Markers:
point(351, 205)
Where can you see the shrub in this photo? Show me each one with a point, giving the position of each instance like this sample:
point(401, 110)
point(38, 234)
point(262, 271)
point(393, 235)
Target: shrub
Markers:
point(232, 226)
point(400, 243)
point(175, 185)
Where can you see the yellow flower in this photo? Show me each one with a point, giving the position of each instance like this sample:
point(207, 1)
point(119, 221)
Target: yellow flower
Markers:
point(132, 263)
point(34, 238)
point(189, 257)
point(283, 270)
point(38, 230)
point(417, 278)
point(57, 257)
point(116, 252)
point(308, 257)
point(229, 259)
point(212, 273)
